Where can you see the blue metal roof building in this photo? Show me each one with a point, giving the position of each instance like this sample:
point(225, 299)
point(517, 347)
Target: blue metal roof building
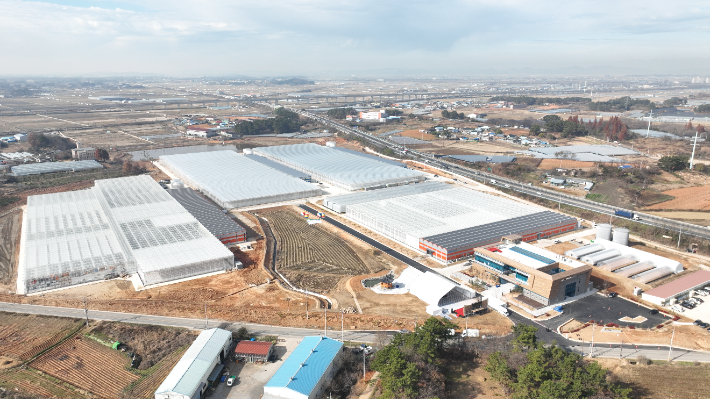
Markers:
point(304, 374)
point(188, 379)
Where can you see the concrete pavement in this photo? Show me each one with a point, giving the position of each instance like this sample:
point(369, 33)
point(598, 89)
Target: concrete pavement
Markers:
point(197, 324)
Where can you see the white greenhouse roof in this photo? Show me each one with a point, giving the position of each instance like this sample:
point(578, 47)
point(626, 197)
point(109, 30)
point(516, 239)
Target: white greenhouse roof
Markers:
point(129, 224)
point(431, 287)
point(340, 168)
point(68, 234)
point(161, 233)
point(50, 167)
point(187, 375)
point(431, 213)
point(233, 180)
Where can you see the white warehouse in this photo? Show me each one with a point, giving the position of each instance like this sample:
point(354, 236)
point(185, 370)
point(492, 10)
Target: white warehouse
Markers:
point(189, 378)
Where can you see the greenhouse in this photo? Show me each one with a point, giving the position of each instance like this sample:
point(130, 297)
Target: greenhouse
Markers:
point(123, 225)
point(340, 168)
point(68, 239)
point(51, 167)
point(233, 180)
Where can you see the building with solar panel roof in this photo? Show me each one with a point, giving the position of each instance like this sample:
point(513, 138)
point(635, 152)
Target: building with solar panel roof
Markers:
point(226, 230)
point(542, 277)
point(307, 371)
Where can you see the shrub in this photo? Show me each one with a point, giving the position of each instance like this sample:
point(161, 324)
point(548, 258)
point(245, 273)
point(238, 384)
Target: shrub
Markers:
point(632, 327)
point(659, 326)
point(676, 318)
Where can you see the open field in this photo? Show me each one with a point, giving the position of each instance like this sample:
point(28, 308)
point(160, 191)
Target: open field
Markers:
point(416, 134)
point(89, 365)
point(146, 386)
point(564, 163)
point(24, 336)
point(661, 380)
point(9, 241)
point(153, 343)
point(33, 382)
point(691, 337)
point(688, 199)
point(308, 255)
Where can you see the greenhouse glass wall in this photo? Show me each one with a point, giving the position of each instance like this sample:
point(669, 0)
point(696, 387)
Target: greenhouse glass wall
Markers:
point(233, 180)
point(51, 167)
point(339, 168)
point(123, 225)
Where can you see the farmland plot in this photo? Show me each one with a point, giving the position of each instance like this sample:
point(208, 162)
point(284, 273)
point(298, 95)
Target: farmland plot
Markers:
point(24, 336)
point(88, 365)
point(31, 382)
point(309, 250)
point(145, 388)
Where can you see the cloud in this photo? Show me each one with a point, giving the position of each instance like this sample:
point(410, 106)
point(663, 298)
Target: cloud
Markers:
point(308, 36)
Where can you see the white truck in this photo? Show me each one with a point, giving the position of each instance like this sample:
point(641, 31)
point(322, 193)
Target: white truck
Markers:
point(499, 306)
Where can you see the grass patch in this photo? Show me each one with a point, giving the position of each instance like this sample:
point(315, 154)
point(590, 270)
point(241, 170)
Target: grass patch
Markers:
point(602, 198)
point(7, 200)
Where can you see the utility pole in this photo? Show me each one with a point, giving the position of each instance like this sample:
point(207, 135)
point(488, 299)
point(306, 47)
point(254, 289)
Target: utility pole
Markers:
point(363, 365)
point(205, 315)
point(86, 312)
point(680, 232)
point(694, 144)
point(648, 130)
point(306, 305)
point(591, 347)
point(670, 350)
point(342, 325)
point(325, 321)
point(621, 348)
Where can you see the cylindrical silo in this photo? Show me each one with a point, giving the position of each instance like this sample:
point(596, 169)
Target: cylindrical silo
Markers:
point(621, 236)
point(604, 232)
point(248, 151)
point(330, 144)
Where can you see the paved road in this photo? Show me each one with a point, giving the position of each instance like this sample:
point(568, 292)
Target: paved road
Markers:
point(258, 329)
point(628, 351)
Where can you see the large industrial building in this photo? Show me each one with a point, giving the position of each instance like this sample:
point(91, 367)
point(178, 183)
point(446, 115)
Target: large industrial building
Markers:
point(123, 225)
point(53, 167)
point(204, 359)
point(446, 221)
point(544, 277)
point(308, 369)
point(343, 169)
point(220, 225)
point(233, 180)
point(677, 290)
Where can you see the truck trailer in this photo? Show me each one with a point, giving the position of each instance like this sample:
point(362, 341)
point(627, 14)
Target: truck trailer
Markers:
point(626, 214)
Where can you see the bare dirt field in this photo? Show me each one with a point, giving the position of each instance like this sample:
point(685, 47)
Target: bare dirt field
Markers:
point(661, 380)
point(468, 380)
point(416, 134)
point(690, 337)
point(35, 382)
point(564, 163)
point(146, 386)
point(89, 365)
point(23, 336)
point(9, 241)
point(689, 198)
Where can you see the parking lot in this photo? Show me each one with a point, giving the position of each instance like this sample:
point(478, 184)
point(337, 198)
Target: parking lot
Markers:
point(701, 311)
point(605, 310)
point(251, 377)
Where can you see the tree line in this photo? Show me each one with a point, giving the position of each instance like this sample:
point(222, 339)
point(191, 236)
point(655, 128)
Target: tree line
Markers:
point(612, 129)
point(341, 113)
point(452, 114)
point(542, 100)
point(285, 122)
point(621, 104)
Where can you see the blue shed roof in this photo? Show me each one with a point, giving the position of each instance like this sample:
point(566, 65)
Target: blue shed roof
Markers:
point(306, 365)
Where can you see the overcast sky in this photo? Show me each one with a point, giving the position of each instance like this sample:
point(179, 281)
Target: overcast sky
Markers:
point(316, 37)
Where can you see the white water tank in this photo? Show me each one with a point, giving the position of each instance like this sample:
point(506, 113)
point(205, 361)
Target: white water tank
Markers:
point(621, 236)
point(248, 151)
point(330, 144)
point(604, 232)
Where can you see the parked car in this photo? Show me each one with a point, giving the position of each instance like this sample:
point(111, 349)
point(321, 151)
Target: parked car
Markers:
point(677, 308)
point(653, 311)
point(704, 325)
point(612, 295)
point(231, 380)
point(403, 331)
point(697, 322)
point(698, 300)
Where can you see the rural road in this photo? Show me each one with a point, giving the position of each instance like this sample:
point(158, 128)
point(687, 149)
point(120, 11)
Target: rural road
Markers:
point(258, 329)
